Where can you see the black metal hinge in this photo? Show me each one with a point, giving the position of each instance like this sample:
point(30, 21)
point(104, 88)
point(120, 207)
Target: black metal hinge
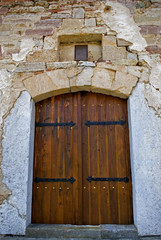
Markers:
point(56, 124)
point(125, 179)
point(89, 123)
point(71, 180)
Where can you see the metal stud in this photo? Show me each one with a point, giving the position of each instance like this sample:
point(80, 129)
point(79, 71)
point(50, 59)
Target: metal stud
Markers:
point(53, 187)
point(113, 187)
point(94, 187)
point(67, 188)
point(104, 187)
point(60, 188)
point(84, 187)
point(45, 187)
point(37, 187)
point(123, 187)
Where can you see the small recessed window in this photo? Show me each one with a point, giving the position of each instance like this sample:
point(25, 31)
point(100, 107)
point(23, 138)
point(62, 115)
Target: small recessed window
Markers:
point(81, 52)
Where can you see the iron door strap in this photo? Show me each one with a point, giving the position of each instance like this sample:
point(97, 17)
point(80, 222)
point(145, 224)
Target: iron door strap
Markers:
point(55, 124)
point(89, 123)
point(71, 180)
point(125, 179)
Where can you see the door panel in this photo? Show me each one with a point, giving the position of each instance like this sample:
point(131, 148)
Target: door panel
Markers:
point(56, 156)
point(98, 150)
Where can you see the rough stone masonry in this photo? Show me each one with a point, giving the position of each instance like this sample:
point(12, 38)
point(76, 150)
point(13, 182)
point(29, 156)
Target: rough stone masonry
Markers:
point(37, 40)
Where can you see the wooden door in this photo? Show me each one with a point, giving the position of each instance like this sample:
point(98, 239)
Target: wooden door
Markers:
point(82, 164)
point(105, 154)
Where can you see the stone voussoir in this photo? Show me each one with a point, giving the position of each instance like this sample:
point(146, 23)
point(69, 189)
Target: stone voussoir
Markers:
point(30, 67)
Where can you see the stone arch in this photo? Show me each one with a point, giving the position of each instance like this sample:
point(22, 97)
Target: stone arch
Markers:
point(85, 76)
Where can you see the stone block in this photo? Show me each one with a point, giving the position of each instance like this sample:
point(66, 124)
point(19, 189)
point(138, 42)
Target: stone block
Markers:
point(118, 232)
point(108, 41)
point(150, 29)
point(154, 49)
point(112, 67)
point(112, 53)
point(63, 65)
point(86, 64)
point(73, 23)
point(51, 43)
point(78, 13)
point(141, 19)
point(0, 20)
point(132, 56)
point(102, 80)
point(90, 22)
point(94, 52)
point(150, 38)
point(135, 70)
point(123, 43)
point(39, 32)
point(5, 33)
point(3, 11)
point(44, 85)
point(66, 52)
point(30, 67)
point(82, 81)
point(43, 56)
point(49, 23)
point(124, 83)
point(126, 62)
point(61, 15)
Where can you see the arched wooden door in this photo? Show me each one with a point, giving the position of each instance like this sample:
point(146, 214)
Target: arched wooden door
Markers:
point(82, 161)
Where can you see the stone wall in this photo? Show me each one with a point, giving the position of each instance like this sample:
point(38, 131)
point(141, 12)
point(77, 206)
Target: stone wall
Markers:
point(127, 37)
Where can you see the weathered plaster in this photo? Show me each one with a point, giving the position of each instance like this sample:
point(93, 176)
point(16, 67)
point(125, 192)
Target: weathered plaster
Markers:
point(119, 19)
point(25, 47)
point(145, 135)
point(153, 88)
point(17, 158)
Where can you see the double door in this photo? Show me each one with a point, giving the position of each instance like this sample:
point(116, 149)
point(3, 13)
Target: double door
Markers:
point(82, 164)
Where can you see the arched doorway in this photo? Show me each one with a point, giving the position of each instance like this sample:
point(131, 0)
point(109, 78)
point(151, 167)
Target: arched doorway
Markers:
point(82, 162)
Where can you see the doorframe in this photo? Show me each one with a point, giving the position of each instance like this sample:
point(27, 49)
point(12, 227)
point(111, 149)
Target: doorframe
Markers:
point(30, 170)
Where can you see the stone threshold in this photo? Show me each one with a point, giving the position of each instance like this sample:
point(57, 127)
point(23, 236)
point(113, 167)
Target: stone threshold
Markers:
point(103, 231)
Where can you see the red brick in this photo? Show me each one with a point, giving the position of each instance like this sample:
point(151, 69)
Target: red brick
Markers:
point(3, 11)
point(153, 49)
point(49, 22)
point(39, 32)
point(150, 29)
point(39, 72)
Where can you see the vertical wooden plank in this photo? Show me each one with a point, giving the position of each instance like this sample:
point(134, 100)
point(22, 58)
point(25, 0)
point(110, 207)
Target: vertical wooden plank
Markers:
point(54, 163)
point(102, 163)
point(86, 212)
point(93, 137)
point(127, 187)
point(60, 159)
point(68, 161)
point(112, 163)
point(77, 159)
